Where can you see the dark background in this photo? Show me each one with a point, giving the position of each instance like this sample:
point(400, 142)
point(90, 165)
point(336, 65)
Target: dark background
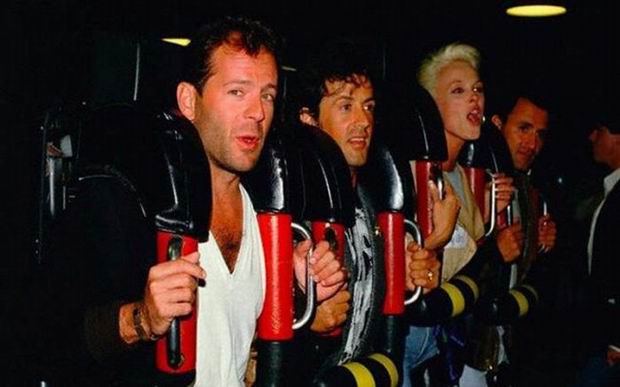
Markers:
point(63, 52)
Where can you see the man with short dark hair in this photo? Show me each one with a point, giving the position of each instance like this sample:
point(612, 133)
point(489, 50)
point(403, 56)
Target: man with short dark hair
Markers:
point(228, 93)
point(337, 95)
point(524, 122)
point(523, 119)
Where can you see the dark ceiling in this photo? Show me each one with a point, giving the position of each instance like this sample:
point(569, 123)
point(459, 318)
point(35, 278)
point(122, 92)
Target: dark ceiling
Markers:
point(47, 42)
point(50, 33)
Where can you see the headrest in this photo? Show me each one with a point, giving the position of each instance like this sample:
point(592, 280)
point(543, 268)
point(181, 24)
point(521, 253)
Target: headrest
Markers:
point(388, 180)
point(500, 159)
point(276, 184)
point(417, 131)
point(327, 176)
point(477, 153)
point(302, 172)
point(160, 155)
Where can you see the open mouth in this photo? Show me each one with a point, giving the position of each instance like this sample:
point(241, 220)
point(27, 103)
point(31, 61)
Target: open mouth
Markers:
point(475, 116)
point(248, 142)
point(358, 142)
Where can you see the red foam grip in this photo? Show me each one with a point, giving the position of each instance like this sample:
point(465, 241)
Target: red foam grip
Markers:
point(477, 183)
point(424, 211)
point(319, 230)
point(276, 320)
point(187, 323)
point(392, 227)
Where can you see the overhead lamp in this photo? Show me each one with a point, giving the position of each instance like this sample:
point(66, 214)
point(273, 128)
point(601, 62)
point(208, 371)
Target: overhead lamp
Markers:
point(178, 41)
point(535, 8)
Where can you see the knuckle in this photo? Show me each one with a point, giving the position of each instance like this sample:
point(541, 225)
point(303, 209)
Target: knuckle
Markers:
point(186, 309)
point(187, 280)
point(152, 286)
point(189, 294)
point(153, 271)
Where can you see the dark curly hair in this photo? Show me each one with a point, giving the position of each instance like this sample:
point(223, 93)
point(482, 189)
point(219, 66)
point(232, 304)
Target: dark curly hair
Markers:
point(338, 60)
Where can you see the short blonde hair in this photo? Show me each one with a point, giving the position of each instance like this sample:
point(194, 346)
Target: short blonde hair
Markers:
point(437, 60)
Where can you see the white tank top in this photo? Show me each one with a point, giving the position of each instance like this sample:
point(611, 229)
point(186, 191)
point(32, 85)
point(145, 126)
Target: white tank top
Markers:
point(229, 305)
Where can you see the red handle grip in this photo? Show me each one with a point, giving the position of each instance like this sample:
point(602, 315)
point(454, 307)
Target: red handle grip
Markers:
point(186, 324)
point(276, 320)
point(477, 182)
point(424, 172)
point(392, 227)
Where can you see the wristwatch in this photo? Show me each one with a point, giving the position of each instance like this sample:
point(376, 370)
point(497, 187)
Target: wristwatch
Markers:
point(137, 324)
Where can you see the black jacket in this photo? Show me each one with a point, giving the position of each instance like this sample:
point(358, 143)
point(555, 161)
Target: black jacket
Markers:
point(603, 283)
point(100, 254)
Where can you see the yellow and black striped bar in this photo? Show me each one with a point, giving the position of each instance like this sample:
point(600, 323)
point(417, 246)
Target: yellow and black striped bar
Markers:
point(522, 299)
point(376, 370)
point(449, 300)
point(509, 307)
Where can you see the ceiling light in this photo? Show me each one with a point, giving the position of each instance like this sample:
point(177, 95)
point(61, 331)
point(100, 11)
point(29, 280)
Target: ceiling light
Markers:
point(178, 41)
point(535, 9)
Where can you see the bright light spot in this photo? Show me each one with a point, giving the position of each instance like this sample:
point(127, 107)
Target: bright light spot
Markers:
point(536, 10)
point(178, 41)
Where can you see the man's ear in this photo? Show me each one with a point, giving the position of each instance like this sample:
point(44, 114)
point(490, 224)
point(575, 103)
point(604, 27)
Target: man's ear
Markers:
point(497, 121)
point(306, 117)
point(186, 99)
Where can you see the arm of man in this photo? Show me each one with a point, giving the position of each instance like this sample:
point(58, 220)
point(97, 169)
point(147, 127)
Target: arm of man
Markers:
point(96, 275)
point(99, 255)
